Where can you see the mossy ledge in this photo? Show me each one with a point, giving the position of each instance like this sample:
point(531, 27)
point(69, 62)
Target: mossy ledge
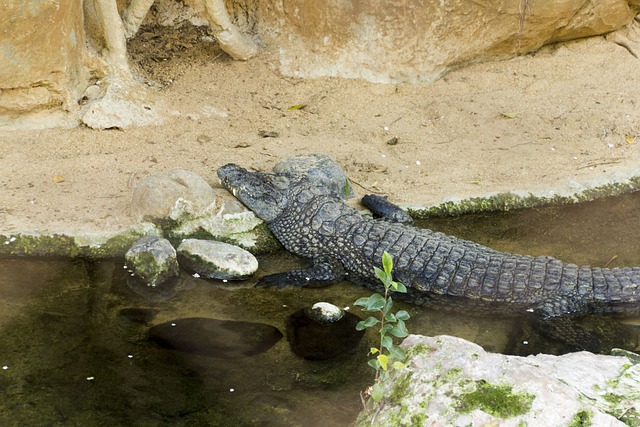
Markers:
point(75, 244)
point(496, 202)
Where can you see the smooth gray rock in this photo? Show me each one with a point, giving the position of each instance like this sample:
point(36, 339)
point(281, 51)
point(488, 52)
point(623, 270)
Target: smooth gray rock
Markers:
point(453, 382)
point(216, 260)
point(171, 195)
point(153, 260)
point(319, 166)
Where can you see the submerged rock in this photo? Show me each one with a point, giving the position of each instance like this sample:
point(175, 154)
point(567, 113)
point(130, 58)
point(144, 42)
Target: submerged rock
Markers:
point(324, 313)
point(153, 260)
point(216, 260)
point(322, 332)
point(450, 381)
point(223, 339)
point(137, 315)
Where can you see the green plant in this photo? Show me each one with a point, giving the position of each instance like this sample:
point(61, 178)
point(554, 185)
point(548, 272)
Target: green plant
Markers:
point(387, 354)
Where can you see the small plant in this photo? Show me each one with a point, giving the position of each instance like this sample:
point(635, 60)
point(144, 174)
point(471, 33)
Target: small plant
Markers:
point(388, 355)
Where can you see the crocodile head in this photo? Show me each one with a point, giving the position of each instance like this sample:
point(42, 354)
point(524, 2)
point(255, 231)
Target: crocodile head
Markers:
point(264, 193)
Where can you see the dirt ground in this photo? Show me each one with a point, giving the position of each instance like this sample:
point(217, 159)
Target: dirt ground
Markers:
point(567, 115)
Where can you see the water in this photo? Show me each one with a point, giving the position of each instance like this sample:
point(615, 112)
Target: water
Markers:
point(74, 347)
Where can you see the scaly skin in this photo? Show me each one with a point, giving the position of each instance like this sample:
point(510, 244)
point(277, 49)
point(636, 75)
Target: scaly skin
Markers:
point(438, 270)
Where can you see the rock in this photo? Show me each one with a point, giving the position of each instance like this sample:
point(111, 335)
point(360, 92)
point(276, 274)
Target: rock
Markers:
point(171, 195)
point(322, 332)
point(186, 206)
point(136, 315)
point(216, 260)
point(153, 260)
point(319, 166)
point(421, 41)
point(123, 104)
point(222, 339)
point(450, 381)
point(42, 53)
point(324, 313)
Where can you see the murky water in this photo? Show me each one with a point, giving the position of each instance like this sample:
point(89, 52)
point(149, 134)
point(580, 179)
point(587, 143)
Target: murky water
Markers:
point(74, 347)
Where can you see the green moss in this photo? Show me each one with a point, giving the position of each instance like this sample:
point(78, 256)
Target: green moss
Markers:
point(35, 245)
point(419, 349)
point(511, 201)
point(401, 385)
point(499, 401)
point(581, 419)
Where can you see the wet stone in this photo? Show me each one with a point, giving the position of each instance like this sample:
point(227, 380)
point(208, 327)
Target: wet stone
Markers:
point(153, 260)
point(216, 260)
point(222, 339)
point(312, 337)
point(324, 313)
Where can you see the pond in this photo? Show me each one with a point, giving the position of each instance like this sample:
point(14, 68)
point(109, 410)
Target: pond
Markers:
point(74, 348)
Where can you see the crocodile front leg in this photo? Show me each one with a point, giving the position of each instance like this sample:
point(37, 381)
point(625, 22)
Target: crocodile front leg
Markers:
point(323, 272)
point(380, 207)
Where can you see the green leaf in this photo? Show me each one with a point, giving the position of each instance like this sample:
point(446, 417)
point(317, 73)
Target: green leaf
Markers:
point(374, 350)
point(399, 330)
point(400, 288)
point(374, 364)
point(368, 322)
point(390, 317)
point(387, 262)
point(362, 302)
point(397, 352)
point(377, 393)
point(386, 341)
point(398, 365)
point(383, 359)
point(382, 276)
point(402, 315)
point(296, 107)
point(375, 303)
point(386, 328)
point(387, 306)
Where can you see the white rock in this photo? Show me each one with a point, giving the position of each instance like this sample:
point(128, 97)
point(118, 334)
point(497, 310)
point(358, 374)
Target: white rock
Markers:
point(216, 260)
point(442, 369)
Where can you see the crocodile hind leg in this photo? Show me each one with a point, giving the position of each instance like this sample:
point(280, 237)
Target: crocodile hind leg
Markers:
point(566, 330)
point(323, 272)
point(556, 316)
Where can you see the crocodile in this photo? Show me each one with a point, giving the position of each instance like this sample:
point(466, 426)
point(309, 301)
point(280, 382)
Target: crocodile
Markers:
point(438, 270)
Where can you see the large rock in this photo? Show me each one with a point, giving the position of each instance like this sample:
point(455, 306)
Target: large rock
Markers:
point(171, 195)
point(450, 381)
point(417, 40)
point(186, 207)
point(42, 48)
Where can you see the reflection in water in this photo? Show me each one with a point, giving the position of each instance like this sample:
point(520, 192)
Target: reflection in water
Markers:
point(75, 350)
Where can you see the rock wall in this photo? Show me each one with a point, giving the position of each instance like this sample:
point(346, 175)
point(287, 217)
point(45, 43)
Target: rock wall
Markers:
point(49, 49)
point(418, 40)
point(42, 45)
